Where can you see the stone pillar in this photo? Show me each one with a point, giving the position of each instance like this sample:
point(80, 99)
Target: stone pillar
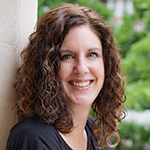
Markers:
point(17, 21)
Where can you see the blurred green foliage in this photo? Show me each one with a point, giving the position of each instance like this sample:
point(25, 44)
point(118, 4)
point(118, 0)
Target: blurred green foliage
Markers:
point(135, 45)
point(142, 9)
point(134, 137)
point(127, 33)
point(133, 36)
point(138, 60)
point(137, 70)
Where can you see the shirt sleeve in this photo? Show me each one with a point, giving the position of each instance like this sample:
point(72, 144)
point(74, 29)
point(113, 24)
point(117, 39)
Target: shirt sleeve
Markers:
point(29, 134)
point(33, 134)
point(26, 141)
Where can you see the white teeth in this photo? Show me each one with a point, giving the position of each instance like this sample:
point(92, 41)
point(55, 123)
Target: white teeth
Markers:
point(81, 84)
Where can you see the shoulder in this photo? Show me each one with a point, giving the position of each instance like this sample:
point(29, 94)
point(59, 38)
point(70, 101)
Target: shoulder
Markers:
point(31, 126)
point(32, 134)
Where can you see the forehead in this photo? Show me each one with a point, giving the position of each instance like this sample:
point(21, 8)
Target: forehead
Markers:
point(81, 37)
point(78, 33)
point(83, 27)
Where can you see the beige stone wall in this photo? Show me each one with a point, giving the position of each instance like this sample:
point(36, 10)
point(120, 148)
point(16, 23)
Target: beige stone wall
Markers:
point(17, 21)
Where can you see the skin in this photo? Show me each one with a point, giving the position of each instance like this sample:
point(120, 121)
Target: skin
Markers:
point(82, 76)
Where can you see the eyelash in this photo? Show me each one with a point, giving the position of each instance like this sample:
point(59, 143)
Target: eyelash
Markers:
point(93, 53)
point(66, 57)
point(69, 56)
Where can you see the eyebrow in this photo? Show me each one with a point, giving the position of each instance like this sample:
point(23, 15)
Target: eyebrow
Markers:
point(90, 49)
point(95, 48)
point(66, 50)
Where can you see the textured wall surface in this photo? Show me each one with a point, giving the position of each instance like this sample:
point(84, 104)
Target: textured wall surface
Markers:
point(17, 21)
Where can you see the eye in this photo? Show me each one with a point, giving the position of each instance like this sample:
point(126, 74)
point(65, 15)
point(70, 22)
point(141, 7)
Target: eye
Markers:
point(66, 57)
point(93, 54)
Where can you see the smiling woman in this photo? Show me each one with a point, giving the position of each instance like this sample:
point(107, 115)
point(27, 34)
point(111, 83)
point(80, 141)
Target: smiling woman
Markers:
point(81, 56)
point(70, 65)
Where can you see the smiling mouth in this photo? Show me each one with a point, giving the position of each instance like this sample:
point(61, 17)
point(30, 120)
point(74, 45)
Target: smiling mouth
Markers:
point(81, 84)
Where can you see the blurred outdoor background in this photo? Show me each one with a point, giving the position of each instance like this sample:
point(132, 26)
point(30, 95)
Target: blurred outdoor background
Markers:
point(130, 21)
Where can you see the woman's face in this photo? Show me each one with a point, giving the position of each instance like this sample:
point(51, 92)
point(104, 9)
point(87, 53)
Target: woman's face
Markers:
point(81, 66)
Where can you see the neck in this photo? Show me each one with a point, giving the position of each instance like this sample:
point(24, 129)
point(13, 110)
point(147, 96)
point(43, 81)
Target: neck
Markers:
point(80, 115)
point(78, 135)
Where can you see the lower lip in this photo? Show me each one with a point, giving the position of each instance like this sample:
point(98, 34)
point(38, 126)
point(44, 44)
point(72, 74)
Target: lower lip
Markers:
point(81, 88)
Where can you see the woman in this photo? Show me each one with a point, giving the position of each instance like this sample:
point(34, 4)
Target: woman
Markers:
point(70, 65)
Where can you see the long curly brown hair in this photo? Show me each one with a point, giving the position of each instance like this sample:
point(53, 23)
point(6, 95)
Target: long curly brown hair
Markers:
point(38, 88)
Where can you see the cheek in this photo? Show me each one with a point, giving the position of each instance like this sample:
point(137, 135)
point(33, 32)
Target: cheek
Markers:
point(98, 68)
point(63, 71)
point(100, 73)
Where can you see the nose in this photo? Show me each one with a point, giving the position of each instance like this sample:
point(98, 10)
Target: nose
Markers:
point(81, 67)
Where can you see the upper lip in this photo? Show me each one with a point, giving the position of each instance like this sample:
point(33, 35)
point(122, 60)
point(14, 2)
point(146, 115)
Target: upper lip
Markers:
point(80, 80)
point(80, 83)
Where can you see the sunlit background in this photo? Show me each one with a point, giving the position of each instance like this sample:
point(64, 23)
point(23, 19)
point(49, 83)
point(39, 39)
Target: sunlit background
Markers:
point(130, 21)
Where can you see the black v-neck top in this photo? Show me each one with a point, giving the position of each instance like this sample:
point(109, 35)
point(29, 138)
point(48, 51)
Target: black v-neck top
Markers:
point(33, 134)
